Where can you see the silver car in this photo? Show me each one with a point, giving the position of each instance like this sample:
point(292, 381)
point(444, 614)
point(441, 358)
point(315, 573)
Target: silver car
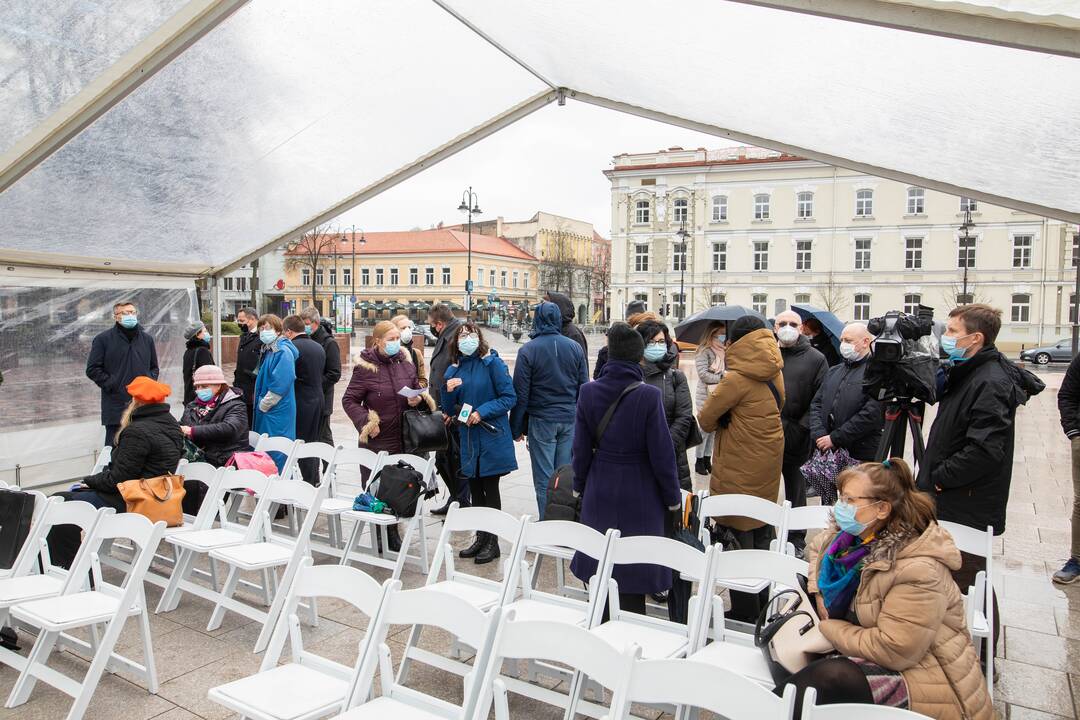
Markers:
point(1058, 352)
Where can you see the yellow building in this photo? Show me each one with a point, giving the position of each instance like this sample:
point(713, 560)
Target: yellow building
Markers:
point(388, 273)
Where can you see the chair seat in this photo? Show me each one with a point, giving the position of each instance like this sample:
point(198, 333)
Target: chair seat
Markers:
point(554, 551)
point(746, 585)
point(536, 610)
point(254, 556)
point(28, 587)
point(275, 693)
point(370, 517)
point(382, 708)
point(335, 506)
point(655, 643)
point(979, 626)
point(186, 527)
point(745, 660)
point(475, 595)
point(68, 611)
point(206, 540)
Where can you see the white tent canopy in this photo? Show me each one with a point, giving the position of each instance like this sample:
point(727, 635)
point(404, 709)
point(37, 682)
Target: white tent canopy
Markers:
point(284, 114)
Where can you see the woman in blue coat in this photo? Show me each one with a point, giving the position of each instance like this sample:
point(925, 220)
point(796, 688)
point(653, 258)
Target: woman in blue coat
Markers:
point(478, 377)
point(631, 481)
point(275, 380)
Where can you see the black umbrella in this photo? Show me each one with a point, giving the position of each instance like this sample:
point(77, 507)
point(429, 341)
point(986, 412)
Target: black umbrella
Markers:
point(831, 324)
point(693, 328)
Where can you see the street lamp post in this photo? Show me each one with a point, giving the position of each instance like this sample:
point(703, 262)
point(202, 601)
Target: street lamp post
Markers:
point(470, 207)
point(966, 229)
point(684, 235)
point(352, 248)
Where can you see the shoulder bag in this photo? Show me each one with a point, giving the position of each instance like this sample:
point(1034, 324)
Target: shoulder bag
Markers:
point(423, 432)
point(158, 498)
point(400, 486)
point(16, 514)
point(787, 633)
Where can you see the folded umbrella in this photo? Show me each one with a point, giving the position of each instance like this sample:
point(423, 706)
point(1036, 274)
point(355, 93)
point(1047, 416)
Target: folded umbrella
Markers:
point(693, 328)
point(832, 325)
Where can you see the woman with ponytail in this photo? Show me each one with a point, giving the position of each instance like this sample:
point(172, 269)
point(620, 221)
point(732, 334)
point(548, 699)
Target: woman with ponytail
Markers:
point(881, 577)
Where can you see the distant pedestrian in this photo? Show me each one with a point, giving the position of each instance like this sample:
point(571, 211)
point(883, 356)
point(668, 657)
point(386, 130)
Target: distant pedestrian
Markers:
point(117, 356)
point(275, 391)
point(413, 352)
point(660, 368)
point(248, 354)
point(318, 331)
point(709, 362)
point(569, 329)
point(196, 354)
point(310, 367)
point(842, 415)
point(548, 374)
point(445, 324)
point(820, 341)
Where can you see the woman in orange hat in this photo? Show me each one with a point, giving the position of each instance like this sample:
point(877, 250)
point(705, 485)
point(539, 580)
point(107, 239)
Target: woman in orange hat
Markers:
point(148, 444)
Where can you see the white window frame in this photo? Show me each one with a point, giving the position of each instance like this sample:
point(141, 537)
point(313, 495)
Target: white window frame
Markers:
point(227, 283)
point(525, 280)
point(414, 276)
point(504, 277)
point(346, 276)
point(479, 277)
point(759, 302)
point(719, 256)
point(679, 256)
point(719, 208)
point(718, 298)
point(969, 205)
point(380, 276)
point(394, 276)
point(863, 259)
point(1020, 311)
point(762, 202)
point(804, 205)
point(864, 203)
point(971, 256)
point(760, 256)
point(491, 277)
point(515, 278)
point(446, 277)
point(802, 298)
point(680, 210)
point(305, 277)
point(642, 212)
point(365, 277)
point(861, 310)
point(1022, 253)
point(913, 256)
point(319, 276)
point(640, 266)
point(332, 272)
point(916, 201)
point(804, 256)
point(911, 306)
point(429, 276)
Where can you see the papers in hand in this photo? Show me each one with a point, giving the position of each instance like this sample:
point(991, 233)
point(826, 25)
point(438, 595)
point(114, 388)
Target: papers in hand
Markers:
point(410, 393)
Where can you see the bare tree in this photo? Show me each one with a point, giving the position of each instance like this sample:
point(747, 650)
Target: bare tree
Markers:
point(705, 299)
point(953, 292)
point(600, 278)
point(832, 295)
point(308, 251)
point(558, 262)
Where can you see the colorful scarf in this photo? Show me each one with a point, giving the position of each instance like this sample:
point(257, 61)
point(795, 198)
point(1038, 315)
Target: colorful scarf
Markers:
point(202, 409)
point(840, 572)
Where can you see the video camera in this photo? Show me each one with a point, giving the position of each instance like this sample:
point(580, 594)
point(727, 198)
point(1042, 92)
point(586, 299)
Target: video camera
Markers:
point(903, 356)
point(894, 327)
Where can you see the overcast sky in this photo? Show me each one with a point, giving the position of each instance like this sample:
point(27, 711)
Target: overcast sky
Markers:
point(552, 160)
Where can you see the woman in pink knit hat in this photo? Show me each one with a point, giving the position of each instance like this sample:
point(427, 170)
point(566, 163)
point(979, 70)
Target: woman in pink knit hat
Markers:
point(214, 424)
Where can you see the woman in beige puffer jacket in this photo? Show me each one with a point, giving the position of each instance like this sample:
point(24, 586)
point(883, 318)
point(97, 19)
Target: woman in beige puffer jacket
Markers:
point(904, 628)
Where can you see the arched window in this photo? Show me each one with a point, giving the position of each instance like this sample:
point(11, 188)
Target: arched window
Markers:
point(864, 203)
point(681, 210)
point(916, 201)
point(1021, 308)
point(761, 207)
point(641, 212)
point(719, 208)
point(912, 302)
point(804, 205)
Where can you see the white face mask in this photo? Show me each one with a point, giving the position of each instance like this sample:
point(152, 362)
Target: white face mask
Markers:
point(787, 335)
point(848, 351)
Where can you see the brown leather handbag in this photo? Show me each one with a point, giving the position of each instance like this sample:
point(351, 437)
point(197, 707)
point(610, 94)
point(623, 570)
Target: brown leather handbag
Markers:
point(158, 498)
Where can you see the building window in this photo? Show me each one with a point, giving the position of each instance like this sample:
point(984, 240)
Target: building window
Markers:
point(365, 276)
point(525, 280)
point(378, 276)
point(1075, 250)
point(641, 213)
point(446, 276)
point(414, 276)
point(913, 253)
point(227, 284)
point(912, 302)
point(862, 253)
point(641, 257)
point(761, 255)
point(681, 210)
point(346, 276)
point(760, 303)
point(864, 203)
point(803, 255)
point(319, 277)
point(1021, 308)
point(965, 253)
point(491, 277)
point(719, 256)
point(862, 307)
point(502, 277)
point(802, 298)
point(718, 298)
point(719, 208)
point(965, 299)
point(643, 298)
point(305, 277)
point(761, 207)
point(393, 276)
point(916, 201)
point(968, 205)
point(678, 257)
point(333, 276)
point(241, 284)
point(1022, 251)
point(804, 205)
point(429, 276)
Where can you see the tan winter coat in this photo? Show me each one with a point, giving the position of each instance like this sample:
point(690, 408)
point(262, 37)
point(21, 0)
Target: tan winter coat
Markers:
point(911, 619)
point(749, 452)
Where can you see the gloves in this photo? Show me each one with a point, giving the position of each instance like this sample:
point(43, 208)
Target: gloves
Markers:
point(269, 401)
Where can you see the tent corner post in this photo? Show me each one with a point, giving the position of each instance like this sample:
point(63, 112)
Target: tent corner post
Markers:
point(215, 302)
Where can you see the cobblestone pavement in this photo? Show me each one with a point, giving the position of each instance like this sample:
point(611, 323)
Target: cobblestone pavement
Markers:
point(1039, 657)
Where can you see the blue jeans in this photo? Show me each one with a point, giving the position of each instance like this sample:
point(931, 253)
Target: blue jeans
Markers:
point(550, 447)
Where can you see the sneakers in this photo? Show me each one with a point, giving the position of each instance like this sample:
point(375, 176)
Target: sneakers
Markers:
point(1068, 574)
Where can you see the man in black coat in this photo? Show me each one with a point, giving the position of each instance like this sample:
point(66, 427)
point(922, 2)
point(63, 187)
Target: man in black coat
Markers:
point(1069, 409)
point(820, 341)
point(442, 321)
point(309, 390)
point(569, 329)
point(842, 415)
point(248, 355)
point(804, 370)
point(967, 466)
point(320, 330)
point(118, 356)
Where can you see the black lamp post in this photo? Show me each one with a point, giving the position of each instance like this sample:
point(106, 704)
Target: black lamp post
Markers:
point(966, 240)
point(352, 309)
point(684, 236)
point(470, 207)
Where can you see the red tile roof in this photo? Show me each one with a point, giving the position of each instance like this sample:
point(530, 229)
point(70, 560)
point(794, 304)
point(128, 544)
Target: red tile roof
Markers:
point(441, 240)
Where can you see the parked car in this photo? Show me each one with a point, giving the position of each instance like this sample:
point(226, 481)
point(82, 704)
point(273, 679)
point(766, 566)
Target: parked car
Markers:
point(1059, 352)
point(425, 330)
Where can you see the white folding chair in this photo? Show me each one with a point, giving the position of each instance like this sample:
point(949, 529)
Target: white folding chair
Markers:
point(326, 456)
point(415, 529)
point(104, 457)
point(979, 598)
point(40, 502)
point(421, 607)
point(689, 684)
point(106, 604)
point(746, 506)
point(479, 592)
point(735, 651)
point(346, 482)
point(852, 711)
point(254, 438)
point(554, 642)
point(285, 446)
point(810, 517)
point(272, 693)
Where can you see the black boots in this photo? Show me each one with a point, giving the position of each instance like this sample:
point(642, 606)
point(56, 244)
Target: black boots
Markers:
point(445, 508)
point(490, 550)
point(393, 539)
point(473, 550)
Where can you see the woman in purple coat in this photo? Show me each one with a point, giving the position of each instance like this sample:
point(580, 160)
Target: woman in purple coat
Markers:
point(631, 482)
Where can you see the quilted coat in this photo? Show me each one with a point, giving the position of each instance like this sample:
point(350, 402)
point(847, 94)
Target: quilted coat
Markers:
point(372, 401)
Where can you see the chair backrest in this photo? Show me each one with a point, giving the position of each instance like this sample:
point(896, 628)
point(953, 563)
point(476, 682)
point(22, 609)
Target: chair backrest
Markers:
point(759, 565)
point(323, 451)
point(254, 438)
point(54, 512)
point(565, 534)
point(745, 506)
point(421, 465)
point(970, 540)
point(811, 517)
point(472, 519)
point(138, 530)
point(704, 686)
point(359, 456)
point(852, 711)
point(654, 550)
point(232, 480)
point(209, 476)
point(104, 457)
point(297, 494)
point(282, 445)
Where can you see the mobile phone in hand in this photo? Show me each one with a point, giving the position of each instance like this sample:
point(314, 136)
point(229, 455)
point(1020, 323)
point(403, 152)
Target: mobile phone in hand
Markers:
point(463, 416)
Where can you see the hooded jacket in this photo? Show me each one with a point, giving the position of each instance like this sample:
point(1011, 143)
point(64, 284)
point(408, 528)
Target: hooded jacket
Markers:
point(221, 432)
point(678, 407)
point(569, 329)
point(804, 371)
point(550, 370)
point(969, 454)
point(196, 355)
point(151, 445)
point(844, 412)
point(911, 620)
point(748, 453)
point(486, 385)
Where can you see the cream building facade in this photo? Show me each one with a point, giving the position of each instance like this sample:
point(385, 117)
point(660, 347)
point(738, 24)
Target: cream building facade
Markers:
point(767, 230)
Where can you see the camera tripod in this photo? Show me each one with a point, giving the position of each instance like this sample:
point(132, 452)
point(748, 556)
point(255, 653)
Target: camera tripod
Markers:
point(901, 414)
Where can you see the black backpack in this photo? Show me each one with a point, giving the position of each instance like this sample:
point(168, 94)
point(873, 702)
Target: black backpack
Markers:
point(16, 512)
point(400, 486)
point(561, 503)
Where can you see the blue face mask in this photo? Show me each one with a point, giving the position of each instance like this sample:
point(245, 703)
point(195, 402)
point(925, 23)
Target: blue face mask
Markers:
point(204, 394)
point(948, 345)
point(207, 337)
point(129, 321)
point(308, 330)
point(468, 345)
point(844, 514)
point(393, 347)
point(655, 351)
point(719, 338)
point(267, 336)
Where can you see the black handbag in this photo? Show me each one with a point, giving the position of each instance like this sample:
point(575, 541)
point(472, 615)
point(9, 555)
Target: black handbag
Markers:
point(423, 432)
point(16, 513)
point(685, 531)
point(400, 486)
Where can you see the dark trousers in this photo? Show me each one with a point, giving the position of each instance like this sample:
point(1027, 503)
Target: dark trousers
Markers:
point(485, 492)
point(628, 602)
point(250, 407)
point(970, 566)
point(110, 434)
point(325, 434)
point(747, 606)
point(448, 463)
point(795, 492)
point(64, 540)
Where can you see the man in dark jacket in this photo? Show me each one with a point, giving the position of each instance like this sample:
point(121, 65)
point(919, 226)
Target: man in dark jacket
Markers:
point(968, 461)
point(309, 390)
point(442, 321)
point(248, 354)
point(632, 308)
point(569, 329)
point(117, 356)
point(842, 415)
point(550, 370)
point(1069, 409)
point(820, 341)
point(320, 330)
point(804, 370)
